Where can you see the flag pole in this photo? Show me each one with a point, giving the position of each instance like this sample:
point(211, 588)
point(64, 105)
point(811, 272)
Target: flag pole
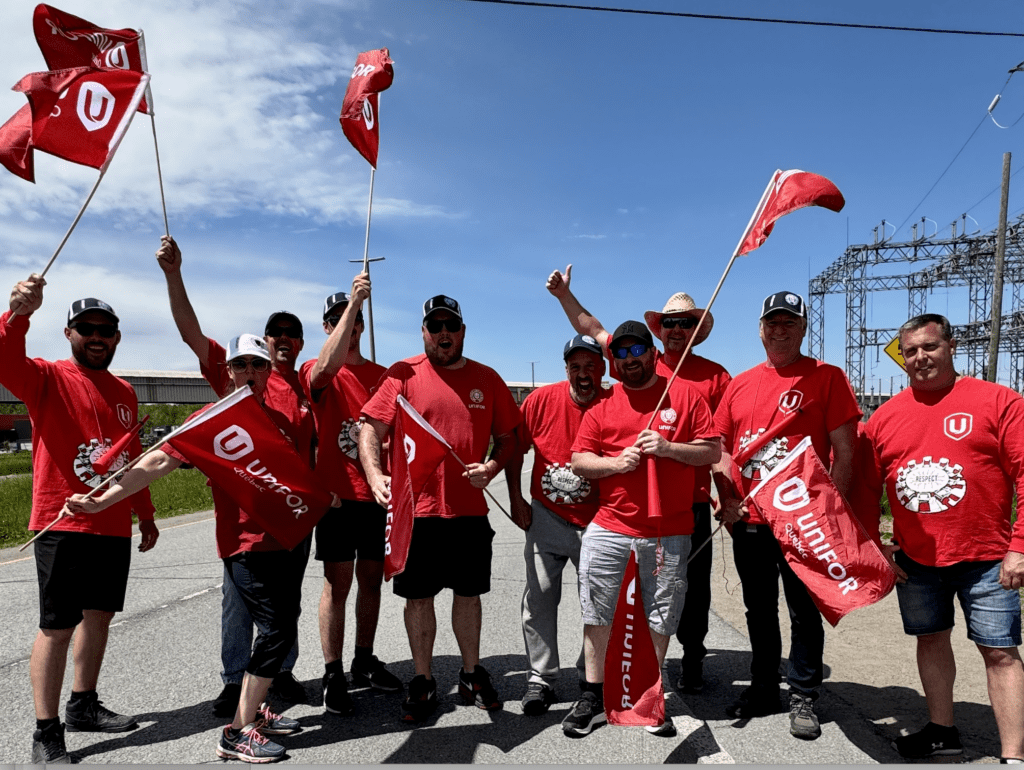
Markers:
point(366, 263)
point(74, 224)
point(486, 490)
point(152, 118)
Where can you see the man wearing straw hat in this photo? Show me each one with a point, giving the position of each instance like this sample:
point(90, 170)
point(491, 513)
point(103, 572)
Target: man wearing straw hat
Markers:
point(78, 410)
point(675, 326)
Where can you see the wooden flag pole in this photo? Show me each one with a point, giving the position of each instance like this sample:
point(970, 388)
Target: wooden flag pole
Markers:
point(366, 265)
point(73, 225)
point(152, 118)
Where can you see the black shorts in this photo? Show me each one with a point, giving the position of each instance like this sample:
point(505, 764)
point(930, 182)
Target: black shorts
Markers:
point(80, 571)
point(447, 553)
point(355, 528)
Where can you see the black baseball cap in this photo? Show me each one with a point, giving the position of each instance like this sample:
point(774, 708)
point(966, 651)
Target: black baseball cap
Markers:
point(283, 314)
point(441, 302)
point(338, 301)
point(633, 329)
point(581, 342)
point(784, 300)
point(80, 306)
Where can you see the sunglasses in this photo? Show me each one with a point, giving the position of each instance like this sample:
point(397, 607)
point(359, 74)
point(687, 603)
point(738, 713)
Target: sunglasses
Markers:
point(683, 323)
point(257, 364)
point(451, 324)
point(87, 329)
point(637, 350)
point(284, 331)
point(332, 320)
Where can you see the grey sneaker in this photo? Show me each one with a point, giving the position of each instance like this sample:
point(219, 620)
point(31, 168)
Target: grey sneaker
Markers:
point(802, 721)
point(269, 723)
point(538, 699)
point(48, 747)
point(248, 745)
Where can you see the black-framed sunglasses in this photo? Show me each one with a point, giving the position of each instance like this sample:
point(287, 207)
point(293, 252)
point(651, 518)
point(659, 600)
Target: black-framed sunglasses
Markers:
point(637, 350)
point(257, 364)
point(686, 322)
point(87, 329)
point(334, 320)
point(284, 331)
point(451, 324)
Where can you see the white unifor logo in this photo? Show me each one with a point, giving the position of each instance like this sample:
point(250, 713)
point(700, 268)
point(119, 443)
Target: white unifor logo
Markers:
point(348, 438)
point(449, 302)
point(368, 114)
point(476, 395)
point(791, 495)
point(792, 299)
point(117, 57)
point(410, 449)
point(929, 487)
point(561, 485)
point(589, 340)
point(124, 414)
point(232, 443)
point(958, 426)
point(362, 69)
point(790, 401)
point(668, 415)
point(95, 106)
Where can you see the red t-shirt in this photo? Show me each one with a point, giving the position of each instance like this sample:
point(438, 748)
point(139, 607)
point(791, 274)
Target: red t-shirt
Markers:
point(760, 397)
point(336, 409)
point(950, 460)
point(551, 419)
point(466, 406)
point(76, 413)
point(613, 424)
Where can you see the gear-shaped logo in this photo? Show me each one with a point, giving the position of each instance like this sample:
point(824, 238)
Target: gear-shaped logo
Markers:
point(928, 487)
point(476, 395)
point(765, 458)
point(88, 454)
point(668, 415)
point(561, 485)
point(348, 438)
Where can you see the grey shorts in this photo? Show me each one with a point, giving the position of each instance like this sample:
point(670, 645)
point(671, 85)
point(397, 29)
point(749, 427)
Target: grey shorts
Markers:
point(603, 559)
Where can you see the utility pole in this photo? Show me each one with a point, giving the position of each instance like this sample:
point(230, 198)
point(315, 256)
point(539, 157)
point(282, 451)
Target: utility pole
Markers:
point(533, 382)
point(997, 282)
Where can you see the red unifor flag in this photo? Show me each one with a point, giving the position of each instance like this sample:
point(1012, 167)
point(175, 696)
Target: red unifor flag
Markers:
point(68, 41)
point(787, 192)
point(82, 114)
point(16, 145)
point(416, 451)
point(240, 449)
point(633, 691)
point(821, 538)
point(372, 74)
point(105, 461)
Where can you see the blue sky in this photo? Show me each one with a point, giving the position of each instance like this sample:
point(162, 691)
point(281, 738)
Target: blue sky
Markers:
point(514, 141)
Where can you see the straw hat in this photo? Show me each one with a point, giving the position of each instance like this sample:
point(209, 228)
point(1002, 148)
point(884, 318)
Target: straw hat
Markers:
point(680, 303)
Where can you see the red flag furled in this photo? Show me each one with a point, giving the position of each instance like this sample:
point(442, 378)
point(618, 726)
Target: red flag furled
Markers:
point(416, 451)
point(372, 74)
point(68, 41)
point(825, 544)
point(82, 114)
point(240, 449)
point(787, 192)
point(653, 490)
point(16, 144)
point(104, 462)
point(633, 691)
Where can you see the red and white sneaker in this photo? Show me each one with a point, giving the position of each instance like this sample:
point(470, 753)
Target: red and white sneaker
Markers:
point(248, 745)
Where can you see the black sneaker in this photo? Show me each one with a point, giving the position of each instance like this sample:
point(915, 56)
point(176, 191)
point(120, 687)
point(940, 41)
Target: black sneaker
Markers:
point(269, 723)
point(336, 697)
point(476, 689)
point(226, 704)
point(288, 688)
point(802, 721)
point(538, 699)
point(421, 701)
point(586, 714)
point(248, 745)
point(755, 702)
point(931, 741)
point(88, 715)
point(48, 747)
point(691, 679)
point(665, 730)
point(371, 673)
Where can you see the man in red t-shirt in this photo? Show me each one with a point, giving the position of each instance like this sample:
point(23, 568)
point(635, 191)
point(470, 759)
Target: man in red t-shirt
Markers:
point(674, 326)
point(78, 411)
point(468, 404)
point(288, 406)
point(754, 402)
point(949, 454)
point(563, 504)
point(350, 539)
point(610, 445)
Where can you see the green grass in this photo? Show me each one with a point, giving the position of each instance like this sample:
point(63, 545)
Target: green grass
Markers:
point(15, 462)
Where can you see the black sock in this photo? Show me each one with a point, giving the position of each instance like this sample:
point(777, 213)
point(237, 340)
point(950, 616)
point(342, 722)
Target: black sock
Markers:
point(47, 724)
point(364, 654)
point(335, 667)
point(81, 696)
point(595, 687)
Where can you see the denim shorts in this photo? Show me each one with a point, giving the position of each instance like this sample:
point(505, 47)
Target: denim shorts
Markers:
point(603, 559)
point(926, 601)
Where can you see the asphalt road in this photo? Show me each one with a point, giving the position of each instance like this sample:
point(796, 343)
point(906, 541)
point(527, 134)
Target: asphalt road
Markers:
point(163, 664)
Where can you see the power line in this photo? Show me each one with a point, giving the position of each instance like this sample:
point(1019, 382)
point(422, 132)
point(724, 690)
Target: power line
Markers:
point(719, 17)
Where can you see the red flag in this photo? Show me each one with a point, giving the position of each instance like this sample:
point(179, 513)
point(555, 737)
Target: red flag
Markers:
point(16, 144)
point(102, 464)
point(653, 492)
point(68, 41)
point(416, 451)
point(787, 192)
point(823, 541)
point(633, 691)
point(238, 447)
point(372, 74)
point(82, 114)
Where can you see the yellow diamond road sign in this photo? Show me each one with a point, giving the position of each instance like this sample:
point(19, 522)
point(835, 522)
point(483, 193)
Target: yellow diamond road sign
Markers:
point(893, 349)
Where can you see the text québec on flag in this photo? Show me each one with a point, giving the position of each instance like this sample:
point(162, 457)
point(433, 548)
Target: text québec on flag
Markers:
point(81, 114)
point(372, 74)
point(633, 690)
point(240, 449)
point(789, 191)
point(16, 145)
point(67, 41)
point(824, 543)
point(416, 451)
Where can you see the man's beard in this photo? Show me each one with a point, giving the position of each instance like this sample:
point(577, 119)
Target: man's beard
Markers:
point(438, 356)
point(637, 377)
point(82, 357)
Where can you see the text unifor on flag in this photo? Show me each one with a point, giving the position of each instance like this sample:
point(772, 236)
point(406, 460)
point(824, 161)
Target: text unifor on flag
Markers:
point(787, 192)
point(240, 449)
point(372, 74)
point(824, 543)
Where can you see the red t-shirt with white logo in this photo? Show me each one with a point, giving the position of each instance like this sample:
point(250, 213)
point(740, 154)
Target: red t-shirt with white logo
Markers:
point(950, 461)
point(466, 406)
point(336, 409)
point(551, 419)
point(76, 413)
point(614, 424)
point(760, 397)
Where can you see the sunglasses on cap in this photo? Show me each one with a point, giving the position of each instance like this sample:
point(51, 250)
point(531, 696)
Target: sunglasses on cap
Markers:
point(87, 329)
point(257, 364)
point(284, 331)
point(637, 350)
point(686, 322)
point(434, 326)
